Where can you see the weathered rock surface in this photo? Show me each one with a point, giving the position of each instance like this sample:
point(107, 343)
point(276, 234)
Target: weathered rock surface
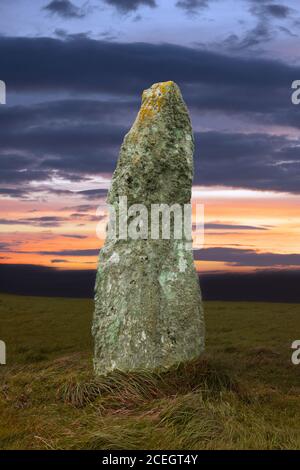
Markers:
point(148, 311)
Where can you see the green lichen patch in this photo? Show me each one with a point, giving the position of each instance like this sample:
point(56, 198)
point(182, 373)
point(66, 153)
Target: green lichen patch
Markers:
point(148, 311)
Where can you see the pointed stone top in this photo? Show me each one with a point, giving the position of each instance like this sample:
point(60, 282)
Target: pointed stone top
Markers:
point(155, 97)
point(159, 90)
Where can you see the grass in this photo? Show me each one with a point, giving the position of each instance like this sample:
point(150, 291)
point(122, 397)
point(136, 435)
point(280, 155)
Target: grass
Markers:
point(244, 393)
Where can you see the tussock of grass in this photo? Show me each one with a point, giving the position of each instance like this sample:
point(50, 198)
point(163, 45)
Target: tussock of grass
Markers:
point(243, 394)
point(129, 389)
point(193, 420)
point(78, 393)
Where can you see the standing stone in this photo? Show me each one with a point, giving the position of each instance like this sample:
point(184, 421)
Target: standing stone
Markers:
point(148, 311)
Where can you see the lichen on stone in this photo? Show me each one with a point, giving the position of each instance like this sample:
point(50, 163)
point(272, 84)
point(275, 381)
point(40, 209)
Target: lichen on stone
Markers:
point(148, 310)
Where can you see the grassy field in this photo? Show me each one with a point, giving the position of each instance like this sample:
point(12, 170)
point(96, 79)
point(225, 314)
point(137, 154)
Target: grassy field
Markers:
point(244, 393)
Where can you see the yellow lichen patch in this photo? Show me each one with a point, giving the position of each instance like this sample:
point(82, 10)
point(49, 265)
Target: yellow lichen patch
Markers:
point(145, 112)
point(165, 86)
point(136, 159)
point(153, 99)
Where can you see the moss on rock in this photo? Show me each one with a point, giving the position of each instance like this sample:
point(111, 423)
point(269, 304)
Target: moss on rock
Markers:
point(148, 311)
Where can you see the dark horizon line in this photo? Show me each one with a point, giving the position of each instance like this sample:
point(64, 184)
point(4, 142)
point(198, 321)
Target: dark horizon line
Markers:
point(267, 285)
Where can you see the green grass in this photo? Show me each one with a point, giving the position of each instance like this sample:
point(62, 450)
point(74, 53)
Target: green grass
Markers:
point(244, 393)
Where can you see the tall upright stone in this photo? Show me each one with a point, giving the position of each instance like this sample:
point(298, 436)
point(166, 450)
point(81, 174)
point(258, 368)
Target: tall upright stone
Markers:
point(148, 311)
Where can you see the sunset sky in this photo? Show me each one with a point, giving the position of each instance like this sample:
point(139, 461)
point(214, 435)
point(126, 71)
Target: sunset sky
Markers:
point(75, 72)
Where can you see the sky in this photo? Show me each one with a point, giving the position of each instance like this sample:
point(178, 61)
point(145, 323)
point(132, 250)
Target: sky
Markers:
point(75, 72)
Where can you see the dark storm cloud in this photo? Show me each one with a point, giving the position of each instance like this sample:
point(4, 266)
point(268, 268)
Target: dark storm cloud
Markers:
point(94, 193)
point(11, 161)
point(192, 6)
point(57, 139)
point(66, 148)
point(63, 34)
point(46, 140)
point(76, 137)
point(20, 177)
point(65, 9)
point(244, 257)
point(255, 161)
point(89, 65)
point(67, 110)
point(269, 8)
point(125, 6)
point(256, 104)
point(277, 10)
point(209, 81)
point(13, 192)
point(260, 34)
point(270, 107)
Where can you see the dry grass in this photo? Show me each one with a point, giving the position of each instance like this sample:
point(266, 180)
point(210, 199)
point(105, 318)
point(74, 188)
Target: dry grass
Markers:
point(243, 394)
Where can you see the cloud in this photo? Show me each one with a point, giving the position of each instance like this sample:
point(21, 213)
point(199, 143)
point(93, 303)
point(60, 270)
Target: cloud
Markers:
point(62, 33)
point(254, 161)
point(87, 252)
point(14, 192)
point(74, 138)
point(73, 235)
point(267, 7)
point(65, 9)
point(245, 257)
point(4, 246)
point(55, 261)
point(125, 6)
point(64, 110)
point(269, 106)
point(94, 193)
point(44, 221)
point(264, 30)
point(52, 141)
point(277, 10)
point(128, 68)
point(51, 221)
point(260, 34)
point(80, 208)
point(229, 256)
point(220, 226)
point(192, 6)
point(56, 141)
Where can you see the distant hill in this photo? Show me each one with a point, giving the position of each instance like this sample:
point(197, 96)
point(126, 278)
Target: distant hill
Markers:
point(268, 286)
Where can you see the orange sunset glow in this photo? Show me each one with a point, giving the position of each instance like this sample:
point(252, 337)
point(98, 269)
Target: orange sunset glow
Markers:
point(61, 232)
